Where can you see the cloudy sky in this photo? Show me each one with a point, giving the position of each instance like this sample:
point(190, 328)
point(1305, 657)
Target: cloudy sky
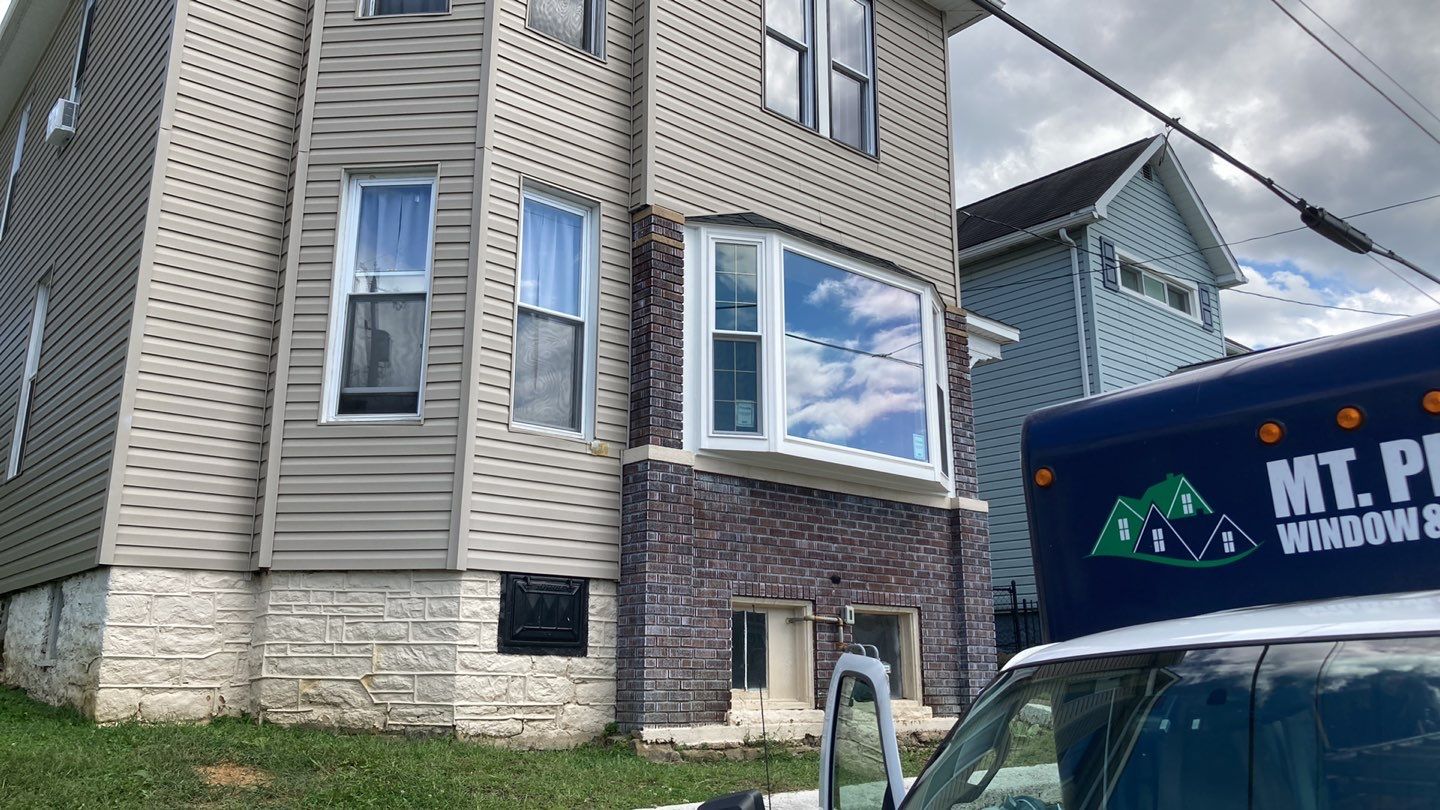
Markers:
point(1244, 75)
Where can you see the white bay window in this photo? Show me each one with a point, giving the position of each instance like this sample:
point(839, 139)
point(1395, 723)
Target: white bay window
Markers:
point(815, 356)
point(380, 312)
point(555, 316)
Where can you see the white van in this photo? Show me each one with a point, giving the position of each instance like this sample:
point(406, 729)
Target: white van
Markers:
point(1327, 705)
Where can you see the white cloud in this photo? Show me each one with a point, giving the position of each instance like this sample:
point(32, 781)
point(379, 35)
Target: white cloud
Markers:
point(1261, 322)
point(1242, 74)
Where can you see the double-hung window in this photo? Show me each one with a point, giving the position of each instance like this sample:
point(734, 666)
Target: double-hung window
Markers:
point(9, 198)
point(390, 8)
point(380, 316)
point(82, 51)
point(577, 23)
point(839, 99)
point(818, 355)
point(554, 356)
point(27, 381)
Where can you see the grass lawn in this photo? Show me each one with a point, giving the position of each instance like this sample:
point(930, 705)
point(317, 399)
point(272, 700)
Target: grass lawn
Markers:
point(55, 758)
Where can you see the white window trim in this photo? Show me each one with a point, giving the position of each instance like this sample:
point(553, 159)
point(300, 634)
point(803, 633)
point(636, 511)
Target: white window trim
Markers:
point(342, 283)
point(595, 26)
point(15, 160)
point(909, 646)
point(1191, 288)
point(817, 66)
point(82, 49)
point(27, 382)
point(773, 443)
point(589, 299)
point(804, 670)
point(365, 10)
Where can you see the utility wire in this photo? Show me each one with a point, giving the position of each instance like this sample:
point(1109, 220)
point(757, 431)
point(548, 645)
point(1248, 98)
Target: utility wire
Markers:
point(1001, 285)
point(1356, 71)
point(1387, 268)
point(1367, 58)
point(1315, 218)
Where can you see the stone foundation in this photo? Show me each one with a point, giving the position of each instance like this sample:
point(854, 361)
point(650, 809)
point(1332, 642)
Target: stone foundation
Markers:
point(55, 665)
point(416, 651)
point(396, 651)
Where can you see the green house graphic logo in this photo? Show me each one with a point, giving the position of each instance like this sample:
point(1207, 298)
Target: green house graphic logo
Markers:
point(1171, 524)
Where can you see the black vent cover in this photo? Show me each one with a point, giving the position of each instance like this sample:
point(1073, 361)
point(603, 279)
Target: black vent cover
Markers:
point(544, 615)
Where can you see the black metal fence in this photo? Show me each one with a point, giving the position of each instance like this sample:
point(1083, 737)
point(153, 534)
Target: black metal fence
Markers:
point(1017, 621)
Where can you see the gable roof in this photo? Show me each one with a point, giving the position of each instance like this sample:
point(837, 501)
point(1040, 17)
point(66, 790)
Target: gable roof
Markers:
point(1079, 195)
point(1068, 191)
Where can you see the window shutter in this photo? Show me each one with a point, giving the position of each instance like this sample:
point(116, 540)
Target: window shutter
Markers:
point(1109, 265)
point(1207, 308)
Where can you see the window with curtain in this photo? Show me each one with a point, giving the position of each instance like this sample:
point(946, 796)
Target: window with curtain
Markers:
point(384, 8)
point(552, 325)
point(789, 59)
point(577, 23)
point(382, 301)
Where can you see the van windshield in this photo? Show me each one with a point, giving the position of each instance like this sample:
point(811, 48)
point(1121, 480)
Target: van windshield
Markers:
point(1335, 725)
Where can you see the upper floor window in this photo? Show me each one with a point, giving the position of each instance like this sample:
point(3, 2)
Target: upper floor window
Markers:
point(82, 51)
point(379, 319)
point(1168, 292)
point(27, 381)
point(577, 23)
point(9, 199)
point(841, 102)
point(389, 8)
point(555, 316)
point(811, 353)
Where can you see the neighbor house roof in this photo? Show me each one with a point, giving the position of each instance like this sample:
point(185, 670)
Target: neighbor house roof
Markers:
point(1053, 196)
point(1079, 195)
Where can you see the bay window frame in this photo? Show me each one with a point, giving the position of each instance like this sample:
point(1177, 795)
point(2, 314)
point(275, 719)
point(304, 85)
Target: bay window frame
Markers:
point(342, 284)
point(589, 298)
point(773, 445)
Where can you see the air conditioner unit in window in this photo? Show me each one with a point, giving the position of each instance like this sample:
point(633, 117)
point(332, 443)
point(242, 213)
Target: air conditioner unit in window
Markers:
point(61, 125)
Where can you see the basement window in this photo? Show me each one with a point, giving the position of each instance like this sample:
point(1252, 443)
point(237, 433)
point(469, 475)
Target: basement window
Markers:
point(49, 651)
point(771, 654)
point(542, 615)
point(893, 633)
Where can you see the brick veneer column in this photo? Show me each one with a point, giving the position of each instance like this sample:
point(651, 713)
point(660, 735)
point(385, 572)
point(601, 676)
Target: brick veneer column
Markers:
point(655, 663)
point(970, 531)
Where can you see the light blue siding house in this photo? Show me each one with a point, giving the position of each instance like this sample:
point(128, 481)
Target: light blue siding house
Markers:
point(1110, 269)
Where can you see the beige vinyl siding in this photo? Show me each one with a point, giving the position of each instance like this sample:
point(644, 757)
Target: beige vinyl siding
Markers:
point(394, 91)
point(192, 452)
point(717, 150)
point(543, 504)
point(79, 213)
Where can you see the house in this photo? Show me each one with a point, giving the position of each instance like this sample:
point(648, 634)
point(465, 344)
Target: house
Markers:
point(1111, 270)
point(495, 367)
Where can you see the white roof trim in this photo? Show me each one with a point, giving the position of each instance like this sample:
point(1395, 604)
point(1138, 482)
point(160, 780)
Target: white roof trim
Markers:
point(1197, 218)
point(1103, 203)
point(1084, 216)
point(1406, 614)
point(25, 33)
point(979, 325)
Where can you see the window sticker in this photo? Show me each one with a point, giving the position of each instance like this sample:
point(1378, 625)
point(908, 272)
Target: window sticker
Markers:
point(745, 416)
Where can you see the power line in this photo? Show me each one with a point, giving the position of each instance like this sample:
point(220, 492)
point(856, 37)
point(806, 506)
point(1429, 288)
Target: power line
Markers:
point(1317, 219)
point(1320, 306)
point(1387, 268)
point(1356, 71)
point(1367, 58)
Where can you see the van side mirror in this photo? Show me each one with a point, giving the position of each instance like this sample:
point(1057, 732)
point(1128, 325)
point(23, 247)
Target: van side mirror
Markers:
point(744, 800)
point(859, 755)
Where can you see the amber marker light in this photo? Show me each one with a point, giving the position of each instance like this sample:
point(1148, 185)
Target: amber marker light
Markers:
point(1044, 477)
point(1349, 417)
point(1431, 402)
point(1271, 433)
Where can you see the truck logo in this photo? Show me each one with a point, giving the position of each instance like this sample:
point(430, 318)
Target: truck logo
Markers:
point(1171, 524)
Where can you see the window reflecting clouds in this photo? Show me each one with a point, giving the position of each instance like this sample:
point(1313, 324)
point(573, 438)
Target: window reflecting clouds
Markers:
point(854, 361)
